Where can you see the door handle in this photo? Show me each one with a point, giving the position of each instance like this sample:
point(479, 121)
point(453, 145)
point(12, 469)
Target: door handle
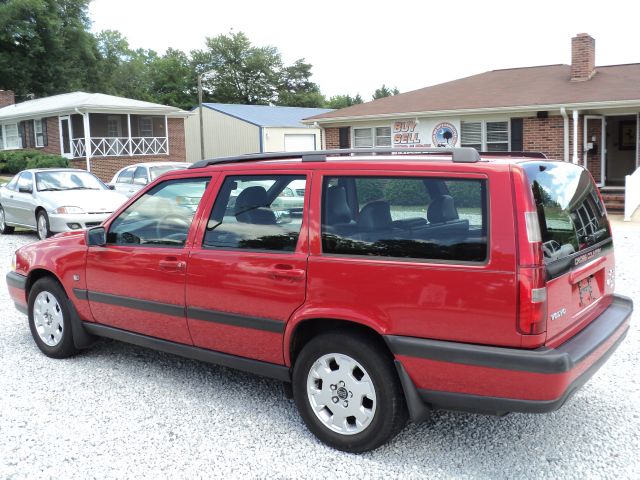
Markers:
point(285, 271)
point(172, 264)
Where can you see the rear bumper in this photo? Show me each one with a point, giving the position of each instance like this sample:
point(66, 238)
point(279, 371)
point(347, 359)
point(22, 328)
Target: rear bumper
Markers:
point(498, 380)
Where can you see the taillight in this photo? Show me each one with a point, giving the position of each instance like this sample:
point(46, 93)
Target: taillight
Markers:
point(532, 301)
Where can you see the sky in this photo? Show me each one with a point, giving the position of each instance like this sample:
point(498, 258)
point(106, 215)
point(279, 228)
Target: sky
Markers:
point(356, 46)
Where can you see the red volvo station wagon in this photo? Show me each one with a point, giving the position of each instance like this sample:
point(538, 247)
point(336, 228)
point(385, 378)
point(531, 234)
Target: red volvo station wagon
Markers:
point(400, 282)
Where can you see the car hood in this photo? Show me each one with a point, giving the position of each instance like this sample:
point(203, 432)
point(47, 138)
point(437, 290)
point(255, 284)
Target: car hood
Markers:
point(91, 201)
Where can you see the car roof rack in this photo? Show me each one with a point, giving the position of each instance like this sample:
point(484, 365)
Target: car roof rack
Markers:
point(458, 155)
point(515, 154)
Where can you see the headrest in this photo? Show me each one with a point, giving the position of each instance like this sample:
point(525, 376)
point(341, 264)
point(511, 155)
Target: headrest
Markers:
point(442, 209)
point(376, 216)
point(251, 197)
point(337, 207)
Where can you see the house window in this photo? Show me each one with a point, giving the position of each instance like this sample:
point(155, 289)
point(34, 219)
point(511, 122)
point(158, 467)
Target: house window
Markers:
point(145, 125)
point(383, 136)
point(114, 126)
point(485, 136)
point(38, 133)
point(372, 137)
point(497, 136)
point(471, 135)
point(11, 137)
point(362, 138)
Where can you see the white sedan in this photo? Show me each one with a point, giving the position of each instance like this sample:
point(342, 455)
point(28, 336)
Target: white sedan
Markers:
point(55, 200)
point(129, 180)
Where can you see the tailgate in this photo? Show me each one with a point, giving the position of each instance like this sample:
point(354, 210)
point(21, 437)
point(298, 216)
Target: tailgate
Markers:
point(576, 245)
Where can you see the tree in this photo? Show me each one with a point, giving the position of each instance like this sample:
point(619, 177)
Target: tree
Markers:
point(343, 101)
point(385, 91)
point(240, 72)
point(296, 89)
point(46, 47)
point(172, 80)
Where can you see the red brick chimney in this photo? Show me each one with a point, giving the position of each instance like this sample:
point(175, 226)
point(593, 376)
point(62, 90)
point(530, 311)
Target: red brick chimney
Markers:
point(583, 57)
point(7, 97)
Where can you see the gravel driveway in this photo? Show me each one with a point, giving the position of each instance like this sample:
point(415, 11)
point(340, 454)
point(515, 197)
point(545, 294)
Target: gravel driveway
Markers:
point(119, 411)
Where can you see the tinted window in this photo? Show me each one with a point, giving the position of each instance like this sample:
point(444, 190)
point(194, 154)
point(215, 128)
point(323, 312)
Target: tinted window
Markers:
point(126, 176)
point(257, 213)
point(571, 214)
point(162, 216)
point(25, 180)
point(140, 176)
point(405, 217)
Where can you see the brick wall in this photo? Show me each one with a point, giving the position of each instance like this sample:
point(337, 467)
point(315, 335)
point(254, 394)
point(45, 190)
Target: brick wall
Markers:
point(332, 137)
point(546, 135)
point(53, 136)
point(177, 150)
point(7, 97)
point(594, 129)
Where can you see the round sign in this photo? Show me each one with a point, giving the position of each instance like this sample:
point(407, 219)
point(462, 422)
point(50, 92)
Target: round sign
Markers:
point(444, 135)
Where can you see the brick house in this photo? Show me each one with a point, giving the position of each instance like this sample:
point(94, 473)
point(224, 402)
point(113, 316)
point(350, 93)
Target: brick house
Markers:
point(579, 113)
point(101, 133)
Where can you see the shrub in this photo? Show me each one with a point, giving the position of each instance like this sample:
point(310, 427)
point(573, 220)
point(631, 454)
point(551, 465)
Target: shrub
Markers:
point(13, 161)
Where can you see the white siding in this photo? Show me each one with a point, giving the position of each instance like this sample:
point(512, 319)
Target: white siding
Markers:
point(223, 135)
point(274, 137)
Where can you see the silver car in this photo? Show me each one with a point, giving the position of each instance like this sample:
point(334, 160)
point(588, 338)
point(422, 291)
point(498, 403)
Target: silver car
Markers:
point(55, 200)
point(129, 180)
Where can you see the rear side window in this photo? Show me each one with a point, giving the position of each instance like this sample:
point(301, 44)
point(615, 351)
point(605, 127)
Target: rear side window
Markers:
point(405, 217)
point(257, 213)
point(571, 214)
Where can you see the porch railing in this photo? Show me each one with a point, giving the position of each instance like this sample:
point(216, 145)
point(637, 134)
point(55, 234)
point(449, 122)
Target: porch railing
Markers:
point(119, 146)
point(631, 194)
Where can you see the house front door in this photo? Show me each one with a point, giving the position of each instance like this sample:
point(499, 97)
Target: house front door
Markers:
point(621, 149)
point(65, 137)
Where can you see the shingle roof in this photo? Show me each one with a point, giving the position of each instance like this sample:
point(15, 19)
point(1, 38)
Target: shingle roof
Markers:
point(92, 102)
point(516, 87)
point(268, 116)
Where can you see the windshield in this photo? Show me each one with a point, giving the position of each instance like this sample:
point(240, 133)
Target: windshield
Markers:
point(155, 172)
point(571, 214)
point(67, 180)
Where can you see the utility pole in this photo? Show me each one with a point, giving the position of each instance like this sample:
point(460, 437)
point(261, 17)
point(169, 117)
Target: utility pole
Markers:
point(201, 118)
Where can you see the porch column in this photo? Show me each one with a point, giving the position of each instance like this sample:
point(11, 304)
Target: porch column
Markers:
point(87, 139)
point(166, 132)
point(575, 136)
point(129, 134)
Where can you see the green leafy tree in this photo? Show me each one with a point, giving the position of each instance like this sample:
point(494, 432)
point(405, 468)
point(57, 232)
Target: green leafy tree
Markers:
point(172, 80)
point(238, 71)
point(343, 101)
point(46, 47)
point(385, 91)
point(296, 89)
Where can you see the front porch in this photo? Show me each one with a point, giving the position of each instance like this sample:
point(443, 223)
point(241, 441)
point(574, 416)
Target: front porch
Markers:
point(93, 135)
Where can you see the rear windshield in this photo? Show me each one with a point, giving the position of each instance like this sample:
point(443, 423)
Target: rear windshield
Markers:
point(571, 214)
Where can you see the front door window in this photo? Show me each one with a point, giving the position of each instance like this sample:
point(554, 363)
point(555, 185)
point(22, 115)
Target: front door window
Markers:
point(65, 136)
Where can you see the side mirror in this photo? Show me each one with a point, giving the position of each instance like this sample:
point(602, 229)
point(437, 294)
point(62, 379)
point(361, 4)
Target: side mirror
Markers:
point(111, 186)
point(96, 237)
point(25, 189)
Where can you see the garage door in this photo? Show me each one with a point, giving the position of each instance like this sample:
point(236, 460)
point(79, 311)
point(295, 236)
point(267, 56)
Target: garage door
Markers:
point(299, 142)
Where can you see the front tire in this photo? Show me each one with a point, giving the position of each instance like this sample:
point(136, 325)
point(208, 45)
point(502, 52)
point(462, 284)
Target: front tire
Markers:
point(42, 222)
point(4, 228)
point(49, 319)
point(348, 393)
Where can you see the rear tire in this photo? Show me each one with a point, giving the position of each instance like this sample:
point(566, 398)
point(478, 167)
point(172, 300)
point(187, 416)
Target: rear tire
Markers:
point(50, 320)
point(42, 224)
point(348, 392)
point(4, 228)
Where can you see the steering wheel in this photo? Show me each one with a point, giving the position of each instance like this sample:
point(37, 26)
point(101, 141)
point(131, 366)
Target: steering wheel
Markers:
point(178, 225)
